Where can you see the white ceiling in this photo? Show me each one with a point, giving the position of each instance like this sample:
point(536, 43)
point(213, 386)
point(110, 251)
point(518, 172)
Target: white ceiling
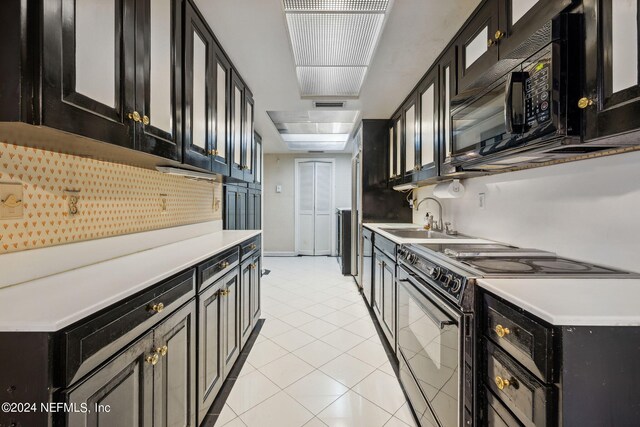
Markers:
point(254, 35)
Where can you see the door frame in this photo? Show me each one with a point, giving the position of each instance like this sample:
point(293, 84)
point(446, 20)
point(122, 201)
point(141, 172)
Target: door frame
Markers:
point(296, 223)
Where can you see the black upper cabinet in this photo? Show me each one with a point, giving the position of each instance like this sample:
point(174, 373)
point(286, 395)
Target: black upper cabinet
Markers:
point(237, 119)
point(199, 90)
point(221, 156)
point(248, 138)
point(496, 34)
point(88, 68)
point(612, 94)
point(396, 163)
point(448, 89)
point(477, 48)
point(159, 77)
point(259, 160)
point(408, 129)
point(428, 126)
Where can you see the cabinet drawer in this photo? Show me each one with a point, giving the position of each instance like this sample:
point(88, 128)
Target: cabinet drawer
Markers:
point(528, 341)
point(386, 246)
point(529, 399)
point(90, 343)
point(248, 247)
point(216, 267)
point(497, 414)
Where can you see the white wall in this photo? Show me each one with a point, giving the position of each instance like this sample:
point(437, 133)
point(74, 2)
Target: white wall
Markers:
point(278, 220)
point(587, 210)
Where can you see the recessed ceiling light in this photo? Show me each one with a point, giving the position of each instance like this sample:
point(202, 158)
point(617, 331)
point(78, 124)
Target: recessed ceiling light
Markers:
point(331, 137)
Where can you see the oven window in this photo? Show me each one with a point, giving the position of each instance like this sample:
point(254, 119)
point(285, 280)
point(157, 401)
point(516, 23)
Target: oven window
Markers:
point(481, 123)
point(429, 342)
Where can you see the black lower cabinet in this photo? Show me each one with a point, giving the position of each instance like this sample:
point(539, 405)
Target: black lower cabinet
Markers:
point(384, 295)
point(151, 382)
point(157, 358)
point(243, 208)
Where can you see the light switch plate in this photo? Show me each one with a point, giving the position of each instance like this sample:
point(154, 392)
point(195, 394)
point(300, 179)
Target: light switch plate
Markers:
point(278, 188)
point(11, 206)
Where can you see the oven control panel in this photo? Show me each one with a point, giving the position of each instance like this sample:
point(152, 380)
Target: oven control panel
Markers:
point(447, 281)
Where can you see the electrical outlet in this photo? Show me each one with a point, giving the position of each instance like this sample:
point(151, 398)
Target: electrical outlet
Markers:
point(11, 206)
point(278, 188)
point(482, 203)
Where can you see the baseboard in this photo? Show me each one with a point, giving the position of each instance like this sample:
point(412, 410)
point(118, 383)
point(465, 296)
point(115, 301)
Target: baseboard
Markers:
point(274, 254)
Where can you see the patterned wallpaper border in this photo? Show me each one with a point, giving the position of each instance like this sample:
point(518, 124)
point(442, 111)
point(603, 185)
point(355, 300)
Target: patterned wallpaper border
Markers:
point(112, 199)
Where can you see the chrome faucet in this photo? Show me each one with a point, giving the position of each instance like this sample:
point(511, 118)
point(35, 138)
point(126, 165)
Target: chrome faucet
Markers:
point(439, 226)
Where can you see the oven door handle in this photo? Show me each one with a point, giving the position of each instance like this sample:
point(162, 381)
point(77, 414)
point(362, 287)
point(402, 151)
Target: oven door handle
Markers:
point(440, 322)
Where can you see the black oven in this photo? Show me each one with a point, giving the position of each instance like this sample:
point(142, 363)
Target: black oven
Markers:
point(435, 351)
point(525, 111)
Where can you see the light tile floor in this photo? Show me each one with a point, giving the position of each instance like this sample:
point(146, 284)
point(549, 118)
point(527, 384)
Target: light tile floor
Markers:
point(318, 360)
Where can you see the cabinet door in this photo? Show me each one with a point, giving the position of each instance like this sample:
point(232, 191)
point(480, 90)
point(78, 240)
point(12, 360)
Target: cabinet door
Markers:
point(123, 388)
point(377, 285)
point(389, 302)
point(88, 68)
point(256, 296)
point(251, 214)
point(477, 48)
point(222, 72)
point(399, 152)
point(159, 77)
point(258, 211)
point(231, 321)
point(409, 114)
point(448, 89)
point(199, 91)
point(230, 208)
point(246, 285)
point(210, 325)
point(242, 198)
point(612, 83)
point(428, 126)
point(258, 167)
point(519, 19)
point(174, 382)
point(237, 116)
point(248, 143)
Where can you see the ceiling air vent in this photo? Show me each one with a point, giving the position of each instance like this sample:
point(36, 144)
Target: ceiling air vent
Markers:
point(328, 104)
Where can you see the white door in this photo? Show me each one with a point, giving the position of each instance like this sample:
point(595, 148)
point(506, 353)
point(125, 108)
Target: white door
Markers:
point(314, 198)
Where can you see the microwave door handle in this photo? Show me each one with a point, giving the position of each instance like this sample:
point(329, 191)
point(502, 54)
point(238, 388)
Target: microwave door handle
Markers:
point(508, 104)
point(440, 322)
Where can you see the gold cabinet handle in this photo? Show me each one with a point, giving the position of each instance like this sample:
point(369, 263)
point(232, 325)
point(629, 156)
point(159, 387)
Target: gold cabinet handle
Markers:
point(156, 308)
point(145, 120)
point(224, 292)
point(490, 42)
point(499, 35)
point(152, 359)
point(585, 102)
point(215, 152)
point(501, 331)
point(252, 266)
point(162, 350)
point(502, 383)
point(135, 116)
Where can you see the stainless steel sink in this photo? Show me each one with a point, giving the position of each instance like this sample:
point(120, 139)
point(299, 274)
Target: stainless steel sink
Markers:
point(420, 233)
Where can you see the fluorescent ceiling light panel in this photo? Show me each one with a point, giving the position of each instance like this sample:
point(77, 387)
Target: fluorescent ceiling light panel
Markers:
point(332, 137)
point(335, 5)
point(335, 81)
point(344, 39)
point(316, 146)
point(333, 43)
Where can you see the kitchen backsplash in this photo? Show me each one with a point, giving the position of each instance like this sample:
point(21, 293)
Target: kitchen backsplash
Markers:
point(112, 199)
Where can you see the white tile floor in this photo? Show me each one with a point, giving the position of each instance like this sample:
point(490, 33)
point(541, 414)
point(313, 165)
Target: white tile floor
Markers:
point(318, 360)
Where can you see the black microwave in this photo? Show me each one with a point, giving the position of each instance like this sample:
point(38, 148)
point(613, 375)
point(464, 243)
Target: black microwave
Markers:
point(528, 112)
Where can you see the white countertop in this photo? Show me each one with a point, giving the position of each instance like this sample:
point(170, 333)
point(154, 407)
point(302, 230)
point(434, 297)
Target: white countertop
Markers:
point(56, 301)
point(573, 302)
point(378, 228)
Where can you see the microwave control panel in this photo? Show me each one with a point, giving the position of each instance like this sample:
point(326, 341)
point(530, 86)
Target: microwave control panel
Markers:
point(537, 95)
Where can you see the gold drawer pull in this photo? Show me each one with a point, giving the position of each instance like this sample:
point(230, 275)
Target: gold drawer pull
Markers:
point(253, 246)
point(501, 331)
point(156, 308)
point(502, 383)
point(152, 359)
point(162, 350)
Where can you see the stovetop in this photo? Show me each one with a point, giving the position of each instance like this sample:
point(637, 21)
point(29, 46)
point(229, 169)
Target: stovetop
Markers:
point(450, 267)
point(494, 260)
